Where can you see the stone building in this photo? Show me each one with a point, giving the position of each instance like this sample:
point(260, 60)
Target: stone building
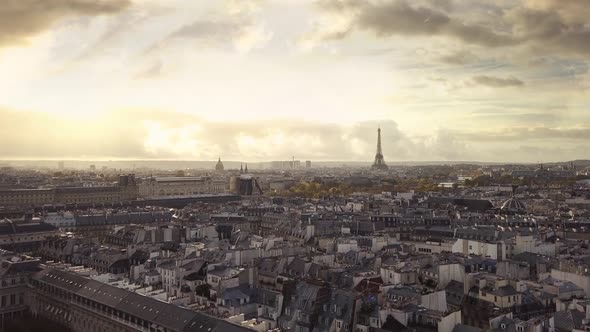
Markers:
point(14, 278)
point(82, 304)
point(179, 186)
point(26, 236)
point(125, 190)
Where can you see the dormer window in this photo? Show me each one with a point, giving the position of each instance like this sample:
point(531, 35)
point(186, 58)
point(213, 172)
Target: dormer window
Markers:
point(503, 326)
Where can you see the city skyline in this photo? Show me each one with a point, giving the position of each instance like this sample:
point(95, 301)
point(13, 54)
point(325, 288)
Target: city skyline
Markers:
point(261, 80)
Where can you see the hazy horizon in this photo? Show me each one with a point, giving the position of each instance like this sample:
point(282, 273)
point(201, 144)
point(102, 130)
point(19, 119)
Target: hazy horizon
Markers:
point(235, 164)
point(261, 80)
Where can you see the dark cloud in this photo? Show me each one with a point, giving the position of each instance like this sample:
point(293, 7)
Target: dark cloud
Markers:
point(497, 82)
point(544, 26)
point(21, 19)
point(389, 18)
point(535, 24)
point(573, 12)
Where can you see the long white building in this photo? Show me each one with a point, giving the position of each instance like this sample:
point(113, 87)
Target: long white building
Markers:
point(180, 186)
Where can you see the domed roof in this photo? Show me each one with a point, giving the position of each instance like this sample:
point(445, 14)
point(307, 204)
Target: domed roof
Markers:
point(219, 166)
point(513, 204)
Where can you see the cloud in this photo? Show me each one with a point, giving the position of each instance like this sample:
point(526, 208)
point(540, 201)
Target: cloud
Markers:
point(535, 24)
point(461, 57)
point(27, 134)
point(545, 26)
point(234, 7)
point(171, 135)
point(497, 82)
point(572, 11)
point(242, 33)
point(22, 19)
point(209, 29)
point(521, 134)
point(152, 71)
point(388, 18)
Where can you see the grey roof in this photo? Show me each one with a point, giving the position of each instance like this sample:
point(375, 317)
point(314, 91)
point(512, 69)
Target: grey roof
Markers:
point(504, 291)
point(167, 315)
point(8, 227)
point(568, 286)
point(466, 328)
point(152, 273)
point(513, 204)
point(266, 297)
point(240, 293)
point(297, 265)
point(224, 272)
point(567, 320)
point(12, 268)
point(509, 323)
point(404, 292)
point(455, 286)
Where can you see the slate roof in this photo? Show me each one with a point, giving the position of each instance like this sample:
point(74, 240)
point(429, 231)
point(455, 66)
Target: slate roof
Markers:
point(168, 315)
point(469, 203)
point(406, 292)
point(12, 268)
point(509, 323)
point(7, 227)
point(568, 286)
point(567, 320)
point(503, 291)
point(466, 328)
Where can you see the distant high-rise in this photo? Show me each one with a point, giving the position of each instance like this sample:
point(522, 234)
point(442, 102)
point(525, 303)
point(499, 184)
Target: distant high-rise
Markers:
point(308, 164)
point(379, 162)
point(60, 165)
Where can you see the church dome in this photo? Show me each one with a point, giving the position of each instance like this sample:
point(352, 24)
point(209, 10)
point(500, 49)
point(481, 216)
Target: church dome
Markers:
point(219, 166)
point(513, 204)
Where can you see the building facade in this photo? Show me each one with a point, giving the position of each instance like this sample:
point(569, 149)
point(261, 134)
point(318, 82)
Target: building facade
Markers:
point(125, 190)
point(180, 186)
point(82, 304)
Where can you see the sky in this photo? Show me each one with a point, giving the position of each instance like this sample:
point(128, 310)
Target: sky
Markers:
point(259, 80)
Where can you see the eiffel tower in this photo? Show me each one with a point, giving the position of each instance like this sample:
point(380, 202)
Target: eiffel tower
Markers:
point(379, 163)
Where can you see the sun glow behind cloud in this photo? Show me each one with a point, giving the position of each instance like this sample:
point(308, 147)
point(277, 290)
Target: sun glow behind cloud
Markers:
point(266, 79)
